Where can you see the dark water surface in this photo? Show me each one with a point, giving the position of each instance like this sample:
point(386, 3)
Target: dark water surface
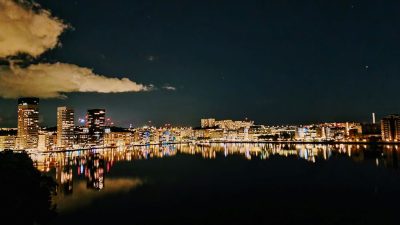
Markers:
point(228, 184)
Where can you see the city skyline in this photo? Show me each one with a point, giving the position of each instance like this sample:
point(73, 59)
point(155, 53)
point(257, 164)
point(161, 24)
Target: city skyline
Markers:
point(275, 63)
point(81, 120)
point(99, 131)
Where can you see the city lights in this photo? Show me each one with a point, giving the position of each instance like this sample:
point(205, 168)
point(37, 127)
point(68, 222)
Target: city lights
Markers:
point(99, 131)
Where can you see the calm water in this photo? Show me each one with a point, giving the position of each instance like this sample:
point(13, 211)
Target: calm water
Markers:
point(227, 184)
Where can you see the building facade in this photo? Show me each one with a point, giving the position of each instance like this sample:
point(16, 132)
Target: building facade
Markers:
point(65, 127)
point(118, 138)
point(206, 123)
point(47, 140)
point(390, 128)
point(95, 122)
point(81, 137)
point(7, 142)
point(28, 123)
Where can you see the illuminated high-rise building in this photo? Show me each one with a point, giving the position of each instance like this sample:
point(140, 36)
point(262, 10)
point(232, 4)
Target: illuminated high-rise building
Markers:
point(390, 128)
point(95, 122)
point(28, 123)
point(65, 126)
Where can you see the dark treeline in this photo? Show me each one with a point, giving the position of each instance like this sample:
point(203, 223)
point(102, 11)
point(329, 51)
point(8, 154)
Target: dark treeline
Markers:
point(24, 192)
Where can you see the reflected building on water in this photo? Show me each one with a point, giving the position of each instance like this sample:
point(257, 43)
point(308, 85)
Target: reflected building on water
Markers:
point(95, 171)
point(64, 177)
point(93, 165)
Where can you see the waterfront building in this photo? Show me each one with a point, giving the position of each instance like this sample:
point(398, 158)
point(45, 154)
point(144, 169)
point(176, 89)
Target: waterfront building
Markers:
point(47, 139)
point(305, 134)
point(7, 139)
point(95, 122)
point(390, 128)
point(118, 137)
point(65, 127)
point(28, 123)
point(300, 133)
point(184, 134)
point(81, 137)
point(7, 142)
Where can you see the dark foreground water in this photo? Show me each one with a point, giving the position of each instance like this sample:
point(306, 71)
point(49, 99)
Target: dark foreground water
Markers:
point(228, 184)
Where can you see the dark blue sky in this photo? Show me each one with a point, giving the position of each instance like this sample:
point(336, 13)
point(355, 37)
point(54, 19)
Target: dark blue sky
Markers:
point(275, 62)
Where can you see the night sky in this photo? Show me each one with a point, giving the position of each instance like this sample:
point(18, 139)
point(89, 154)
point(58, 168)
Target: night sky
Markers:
point(275, 62)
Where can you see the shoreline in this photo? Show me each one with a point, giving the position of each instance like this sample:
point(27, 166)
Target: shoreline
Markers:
point(208, 143)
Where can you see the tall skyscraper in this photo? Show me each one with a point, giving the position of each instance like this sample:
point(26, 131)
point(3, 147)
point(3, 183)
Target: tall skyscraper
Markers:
point(65, 127)
point(95, 121)
point(390, 127)
point(28, 123)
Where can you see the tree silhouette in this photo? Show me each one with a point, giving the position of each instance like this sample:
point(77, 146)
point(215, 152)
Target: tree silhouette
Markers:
point(24, 192)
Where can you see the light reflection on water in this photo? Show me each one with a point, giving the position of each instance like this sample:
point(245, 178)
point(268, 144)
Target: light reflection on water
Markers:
point(386, 155)
point(82, 175)
point(84, 196)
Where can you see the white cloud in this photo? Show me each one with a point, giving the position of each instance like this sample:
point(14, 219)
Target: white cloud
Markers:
point(169, 87)
point(24, 30)
point(53, 80)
